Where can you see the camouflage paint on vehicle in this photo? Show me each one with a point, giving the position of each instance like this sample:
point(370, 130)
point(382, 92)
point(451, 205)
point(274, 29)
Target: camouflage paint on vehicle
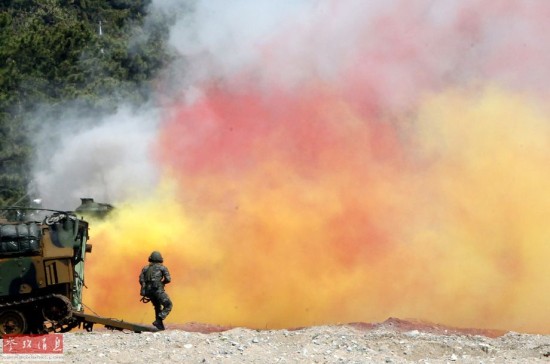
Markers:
point(42, 273)
point(41, 260)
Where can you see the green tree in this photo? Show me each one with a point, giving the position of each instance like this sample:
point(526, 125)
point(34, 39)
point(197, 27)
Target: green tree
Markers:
point(55, 52)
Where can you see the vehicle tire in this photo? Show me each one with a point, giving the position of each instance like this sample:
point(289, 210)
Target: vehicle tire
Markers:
point(12, 322)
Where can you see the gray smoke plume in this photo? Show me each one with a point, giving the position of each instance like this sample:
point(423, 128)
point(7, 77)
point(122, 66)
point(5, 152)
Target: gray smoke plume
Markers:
point(108, 160)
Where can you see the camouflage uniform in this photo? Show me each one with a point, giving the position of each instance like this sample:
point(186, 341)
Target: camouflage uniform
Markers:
point(153, 277)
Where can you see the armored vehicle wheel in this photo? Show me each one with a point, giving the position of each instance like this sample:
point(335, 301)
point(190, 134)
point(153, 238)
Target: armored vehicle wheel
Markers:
point(56, 308)
point(12, 322)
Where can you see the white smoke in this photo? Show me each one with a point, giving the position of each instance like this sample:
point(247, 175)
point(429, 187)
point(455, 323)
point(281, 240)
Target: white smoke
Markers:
point(220, 38)
point(275, 42)
point(286, 42)
point(109, 160)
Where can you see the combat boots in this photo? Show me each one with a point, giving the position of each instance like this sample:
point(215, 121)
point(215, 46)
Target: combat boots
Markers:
point(159, 325)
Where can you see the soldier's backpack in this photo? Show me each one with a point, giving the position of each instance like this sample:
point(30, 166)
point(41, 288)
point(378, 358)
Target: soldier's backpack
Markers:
point(148, 286)
point(145, 290)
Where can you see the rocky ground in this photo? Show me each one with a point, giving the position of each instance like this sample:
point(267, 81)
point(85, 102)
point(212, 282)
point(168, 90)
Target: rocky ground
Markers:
point(394, 341)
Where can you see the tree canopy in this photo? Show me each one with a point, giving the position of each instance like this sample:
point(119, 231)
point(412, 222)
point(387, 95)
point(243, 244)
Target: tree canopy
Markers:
point(54, 52)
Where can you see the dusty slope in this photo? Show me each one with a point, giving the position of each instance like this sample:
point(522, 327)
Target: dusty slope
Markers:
point(394, 341)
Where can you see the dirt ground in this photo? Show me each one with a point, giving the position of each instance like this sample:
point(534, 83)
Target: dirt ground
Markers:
point(393, 341)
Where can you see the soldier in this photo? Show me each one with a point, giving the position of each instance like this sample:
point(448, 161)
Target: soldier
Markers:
point(153, 277)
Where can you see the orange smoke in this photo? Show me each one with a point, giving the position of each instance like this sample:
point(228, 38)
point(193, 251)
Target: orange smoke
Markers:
point(350, 169)
point(323, 214)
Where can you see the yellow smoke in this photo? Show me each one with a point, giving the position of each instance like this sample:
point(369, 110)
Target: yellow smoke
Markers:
point(464, 242)
point(483, 222)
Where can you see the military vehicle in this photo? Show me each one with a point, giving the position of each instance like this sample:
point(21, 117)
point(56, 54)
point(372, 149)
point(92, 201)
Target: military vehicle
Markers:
point(90, 208)
point(42, 257)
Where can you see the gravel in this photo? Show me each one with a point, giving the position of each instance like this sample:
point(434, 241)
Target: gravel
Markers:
point(393, 341)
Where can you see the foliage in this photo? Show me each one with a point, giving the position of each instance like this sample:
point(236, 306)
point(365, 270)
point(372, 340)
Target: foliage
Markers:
point(57, 51)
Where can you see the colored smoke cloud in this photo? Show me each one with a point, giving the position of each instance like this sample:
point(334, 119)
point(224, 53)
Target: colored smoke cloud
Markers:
point(344, 161)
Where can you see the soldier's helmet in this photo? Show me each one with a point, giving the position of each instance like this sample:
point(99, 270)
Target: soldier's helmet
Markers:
point(155, 257)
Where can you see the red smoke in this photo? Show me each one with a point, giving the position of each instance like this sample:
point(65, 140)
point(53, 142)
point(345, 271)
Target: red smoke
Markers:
point(387, 167)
